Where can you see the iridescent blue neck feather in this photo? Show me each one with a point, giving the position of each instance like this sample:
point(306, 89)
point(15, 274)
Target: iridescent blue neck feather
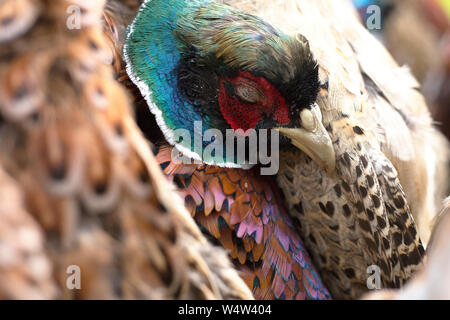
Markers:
point(192, 58)
point(152, 56)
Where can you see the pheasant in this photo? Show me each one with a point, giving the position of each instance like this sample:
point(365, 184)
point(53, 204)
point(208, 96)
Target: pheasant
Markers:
point(79, 186)
point(353, 134)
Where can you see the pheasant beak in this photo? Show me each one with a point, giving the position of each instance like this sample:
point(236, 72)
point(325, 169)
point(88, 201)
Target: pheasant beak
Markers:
point(313, 138)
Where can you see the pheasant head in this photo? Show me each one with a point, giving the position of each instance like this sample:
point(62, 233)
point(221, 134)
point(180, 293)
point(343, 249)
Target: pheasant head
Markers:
point(205, 61)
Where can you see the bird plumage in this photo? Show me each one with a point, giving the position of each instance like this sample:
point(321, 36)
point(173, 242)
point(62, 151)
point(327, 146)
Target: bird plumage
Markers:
point(359, 75)
point(413, 32)
point(431, 282)
point(379, 126)
point(244, 213)
point(25, 267)
point(208, 36)
point(355, 219)
point(78, 182)
point(88, 178)
point(249, 57)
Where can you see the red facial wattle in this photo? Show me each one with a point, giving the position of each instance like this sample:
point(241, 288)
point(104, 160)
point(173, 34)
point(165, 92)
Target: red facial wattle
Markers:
point(242, 115)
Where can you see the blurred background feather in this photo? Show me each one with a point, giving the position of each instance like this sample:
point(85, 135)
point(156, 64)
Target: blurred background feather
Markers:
point(417, 34)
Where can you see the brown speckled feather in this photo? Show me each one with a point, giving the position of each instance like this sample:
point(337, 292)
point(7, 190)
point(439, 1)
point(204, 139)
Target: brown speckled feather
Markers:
point(354, 219)
point(432, 281)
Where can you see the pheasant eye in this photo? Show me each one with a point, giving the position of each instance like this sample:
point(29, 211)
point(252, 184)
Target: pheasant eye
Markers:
point(248, 93)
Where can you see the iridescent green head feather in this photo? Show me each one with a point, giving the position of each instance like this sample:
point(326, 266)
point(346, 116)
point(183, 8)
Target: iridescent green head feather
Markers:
point(205, 61)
